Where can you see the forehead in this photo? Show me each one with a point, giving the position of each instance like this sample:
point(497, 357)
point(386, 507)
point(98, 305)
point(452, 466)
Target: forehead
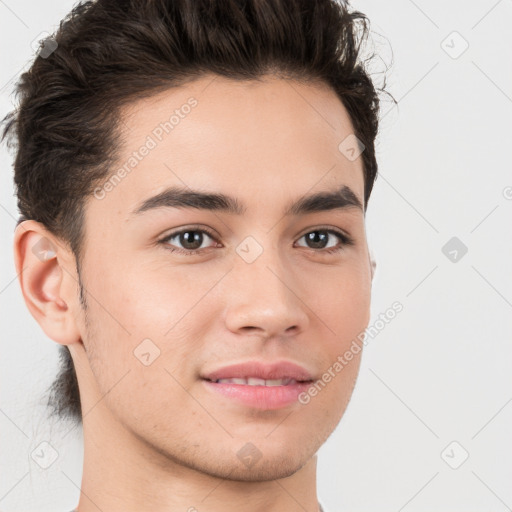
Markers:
point(263, 142)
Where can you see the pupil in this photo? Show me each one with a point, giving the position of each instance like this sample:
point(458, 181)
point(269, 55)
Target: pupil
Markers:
point(186, 239)
point(312, 237)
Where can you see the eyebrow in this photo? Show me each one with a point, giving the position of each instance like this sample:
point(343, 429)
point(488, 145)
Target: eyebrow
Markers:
point(177, 197)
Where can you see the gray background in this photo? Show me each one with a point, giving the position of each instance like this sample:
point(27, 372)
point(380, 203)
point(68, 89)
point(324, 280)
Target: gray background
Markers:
point(438, 373)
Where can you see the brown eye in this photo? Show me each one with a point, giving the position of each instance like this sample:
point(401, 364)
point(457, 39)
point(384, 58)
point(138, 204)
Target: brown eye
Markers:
point(190, 239)
point(320, 239)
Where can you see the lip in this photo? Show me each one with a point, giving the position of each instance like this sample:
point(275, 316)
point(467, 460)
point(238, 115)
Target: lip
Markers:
point(261, 370)
point(260, 397)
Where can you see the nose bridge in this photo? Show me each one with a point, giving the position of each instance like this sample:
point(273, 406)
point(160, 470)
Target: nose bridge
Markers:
point(264, 266)
point(266, 295)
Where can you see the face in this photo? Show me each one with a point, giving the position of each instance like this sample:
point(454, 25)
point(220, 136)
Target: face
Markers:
point(176, 293)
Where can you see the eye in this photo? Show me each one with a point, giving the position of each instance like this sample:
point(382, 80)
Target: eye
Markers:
point(191, 240)
point(319, 239)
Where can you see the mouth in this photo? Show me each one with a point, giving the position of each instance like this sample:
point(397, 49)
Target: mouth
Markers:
point(255, 371)
point(259, 385)
point(255, 381)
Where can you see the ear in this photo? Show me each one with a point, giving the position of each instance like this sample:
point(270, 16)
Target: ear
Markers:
point(45, 269)
point(373, 263)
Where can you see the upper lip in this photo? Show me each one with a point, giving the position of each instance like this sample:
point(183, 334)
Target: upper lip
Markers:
point(261, 370)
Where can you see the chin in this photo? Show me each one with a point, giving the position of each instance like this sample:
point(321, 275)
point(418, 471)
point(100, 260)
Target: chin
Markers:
point(264, 470)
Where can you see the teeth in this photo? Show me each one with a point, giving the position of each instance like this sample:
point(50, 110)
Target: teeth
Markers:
point(275, 382)
point(253, 381)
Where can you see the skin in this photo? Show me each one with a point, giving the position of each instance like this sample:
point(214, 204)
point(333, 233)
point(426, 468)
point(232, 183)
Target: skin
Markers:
point(153, 437)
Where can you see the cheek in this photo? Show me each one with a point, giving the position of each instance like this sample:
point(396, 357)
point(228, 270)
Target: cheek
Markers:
point(144, 301)
point(345, 311)
point(140, 316)
point(140, 338)
point(342, 297)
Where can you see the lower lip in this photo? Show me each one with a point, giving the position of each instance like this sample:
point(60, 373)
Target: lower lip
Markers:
point(260, 397)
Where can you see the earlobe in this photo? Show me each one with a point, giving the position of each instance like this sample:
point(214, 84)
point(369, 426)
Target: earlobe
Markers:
point(39, 259)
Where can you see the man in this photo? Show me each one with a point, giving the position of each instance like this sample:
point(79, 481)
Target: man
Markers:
point(193, 179)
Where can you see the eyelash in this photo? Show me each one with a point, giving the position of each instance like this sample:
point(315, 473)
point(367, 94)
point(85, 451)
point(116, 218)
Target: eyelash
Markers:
point(344, 239)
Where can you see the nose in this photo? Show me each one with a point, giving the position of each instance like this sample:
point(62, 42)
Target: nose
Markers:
point(266, 298)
